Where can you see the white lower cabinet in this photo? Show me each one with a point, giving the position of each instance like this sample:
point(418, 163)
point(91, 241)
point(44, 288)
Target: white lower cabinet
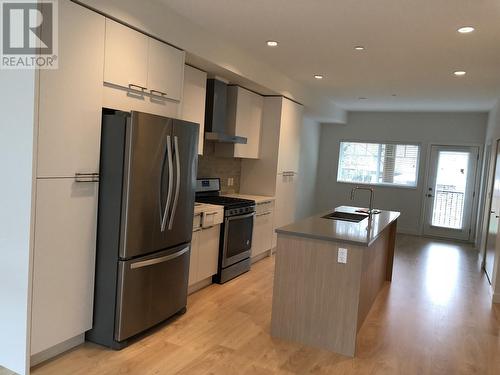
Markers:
point(208, 252)
point(193, 260)
point(286, 201)
point(262, 237)
point(64, 261)
point(204, 254)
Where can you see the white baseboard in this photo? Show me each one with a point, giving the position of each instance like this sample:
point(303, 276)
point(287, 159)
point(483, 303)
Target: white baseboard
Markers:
point(200, 285)
point(265, 254)
point(496, 298)
point(412, 232)
point(49, 353)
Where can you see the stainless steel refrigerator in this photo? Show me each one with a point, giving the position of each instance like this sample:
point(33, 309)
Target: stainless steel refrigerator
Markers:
point(145, 219)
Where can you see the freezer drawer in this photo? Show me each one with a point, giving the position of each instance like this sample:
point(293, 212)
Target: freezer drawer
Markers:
point(150, 290)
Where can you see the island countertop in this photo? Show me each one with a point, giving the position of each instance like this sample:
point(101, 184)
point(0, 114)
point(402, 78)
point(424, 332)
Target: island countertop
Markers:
point(363, 233)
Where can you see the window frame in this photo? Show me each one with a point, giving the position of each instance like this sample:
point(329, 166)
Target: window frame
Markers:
point(381, 184)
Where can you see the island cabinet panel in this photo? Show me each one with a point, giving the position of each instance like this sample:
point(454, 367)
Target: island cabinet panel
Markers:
point(320, 302)
point(306, 306)
point(374, 273)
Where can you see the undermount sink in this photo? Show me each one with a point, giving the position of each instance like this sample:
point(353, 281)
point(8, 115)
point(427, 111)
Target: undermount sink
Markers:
point(346, 216)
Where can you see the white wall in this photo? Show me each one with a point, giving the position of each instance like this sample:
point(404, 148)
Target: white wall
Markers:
point(424, 128)
point(309, 152)
point(492, 135)
point(17, 111)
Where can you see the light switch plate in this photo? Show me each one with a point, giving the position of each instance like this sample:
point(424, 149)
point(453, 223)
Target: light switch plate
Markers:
point(342, 255)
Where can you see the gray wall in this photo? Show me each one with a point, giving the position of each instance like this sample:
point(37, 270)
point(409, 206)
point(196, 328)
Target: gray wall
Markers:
point(212, 165)
point(424, 128)
point(309, 152)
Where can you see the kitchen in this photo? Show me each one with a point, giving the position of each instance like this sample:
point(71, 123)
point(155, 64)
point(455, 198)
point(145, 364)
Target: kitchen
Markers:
point(253, 158)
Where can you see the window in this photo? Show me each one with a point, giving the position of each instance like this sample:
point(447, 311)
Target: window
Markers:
point(378, 163)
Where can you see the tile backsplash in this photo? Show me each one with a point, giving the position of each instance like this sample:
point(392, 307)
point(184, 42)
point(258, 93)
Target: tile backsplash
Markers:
point(211, 165)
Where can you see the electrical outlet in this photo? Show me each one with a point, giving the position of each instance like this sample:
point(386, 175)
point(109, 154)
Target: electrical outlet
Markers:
point(230, 181)
point(342, 255)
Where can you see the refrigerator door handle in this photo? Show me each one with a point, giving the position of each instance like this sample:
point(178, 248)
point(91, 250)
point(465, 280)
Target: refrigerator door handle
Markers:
point(177, 182)
point(170, 177)
point(166, 258)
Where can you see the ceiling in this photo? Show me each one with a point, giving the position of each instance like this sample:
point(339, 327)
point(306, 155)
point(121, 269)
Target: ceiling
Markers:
point(412, 47)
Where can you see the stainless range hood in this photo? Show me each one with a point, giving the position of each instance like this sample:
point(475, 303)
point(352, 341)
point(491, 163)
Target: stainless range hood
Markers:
point(215, 114)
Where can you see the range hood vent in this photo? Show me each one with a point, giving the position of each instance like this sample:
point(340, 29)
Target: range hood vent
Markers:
point(215, 114)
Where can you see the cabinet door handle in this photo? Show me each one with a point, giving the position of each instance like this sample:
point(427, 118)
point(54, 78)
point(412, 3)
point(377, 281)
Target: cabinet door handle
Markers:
point(158, 93)
point(196, 230)
point(136, 87)
point(264, 214)
point(86, 177)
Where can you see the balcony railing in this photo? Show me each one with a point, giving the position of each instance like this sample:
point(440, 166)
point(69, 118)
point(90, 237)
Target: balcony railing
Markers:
point(448, 209)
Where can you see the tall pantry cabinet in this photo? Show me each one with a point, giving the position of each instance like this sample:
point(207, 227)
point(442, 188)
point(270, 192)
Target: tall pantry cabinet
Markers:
point(276, 172)
point(69, 129)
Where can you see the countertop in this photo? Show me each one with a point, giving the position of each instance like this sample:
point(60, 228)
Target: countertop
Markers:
point(202, 207)
point(359, 234)
point(256, 198)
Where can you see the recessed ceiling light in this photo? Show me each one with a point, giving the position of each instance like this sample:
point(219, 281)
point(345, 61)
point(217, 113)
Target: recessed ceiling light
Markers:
point(460, 73)
point(466, 29)
point(362, 98)
point(359, 48)
point(318, 76)
point(272, 43)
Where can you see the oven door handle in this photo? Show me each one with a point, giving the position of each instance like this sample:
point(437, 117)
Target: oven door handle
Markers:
point(231, 218)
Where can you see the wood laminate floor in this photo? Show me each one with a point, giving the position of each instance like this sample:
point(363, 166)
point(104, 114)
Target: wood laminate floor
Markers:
point(435, 318)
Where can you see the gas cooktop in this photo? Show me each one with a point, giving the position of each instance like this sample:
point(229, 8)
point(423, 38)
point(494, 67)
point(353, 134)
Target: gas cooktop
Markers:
point(227, 202)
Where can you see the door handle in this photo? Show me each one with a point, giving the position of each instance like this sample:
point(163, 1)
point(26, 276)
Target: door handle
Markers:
point(158, 93)
point(170, 176)
point(177, 182)
point(136, 87)
point(163, 259)
point(86, 177)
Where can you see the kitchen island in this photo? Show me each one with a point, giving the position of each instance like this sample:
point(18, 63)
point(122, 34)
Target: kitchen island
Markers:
point(328, 274)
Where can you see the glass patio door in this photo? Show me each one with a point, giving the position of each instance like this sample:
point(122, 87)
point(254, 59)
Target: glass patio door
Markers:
point(450, 191)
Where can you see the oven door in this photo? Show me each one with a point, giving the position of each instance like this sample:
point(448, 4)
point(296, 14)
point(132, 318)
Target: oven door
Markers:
point(237, 238)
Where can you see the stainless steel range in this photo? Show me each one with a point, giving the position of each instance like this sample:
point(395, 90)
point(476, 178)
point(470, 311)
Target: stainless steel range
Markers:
point(236, 231)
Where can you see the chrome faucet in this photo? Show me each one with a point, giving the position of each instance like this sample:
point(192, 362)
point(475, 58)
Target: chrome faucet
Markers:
point(353, 192)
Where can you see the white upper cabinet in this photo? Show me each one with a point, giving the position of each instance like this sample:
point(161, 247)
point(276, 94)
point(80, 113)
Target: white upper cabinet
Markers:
point(165, 70)
point(71, 96)
point(290, 132)
point(126, 56)
point(248, 121)
point(193, 100)
point(138, 62)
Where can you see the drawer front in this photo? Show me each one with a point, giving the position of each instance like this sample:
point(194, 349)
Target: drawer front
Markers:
point(263, 207)
point(211, 218)
point(197, 221)
point(150, 290)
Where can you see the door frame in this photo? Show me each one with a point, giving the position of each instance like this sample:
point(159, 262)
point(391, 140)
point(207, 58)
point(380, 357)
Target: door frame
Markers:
point(488, 201)
point(484, 208)
point(477, 185)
